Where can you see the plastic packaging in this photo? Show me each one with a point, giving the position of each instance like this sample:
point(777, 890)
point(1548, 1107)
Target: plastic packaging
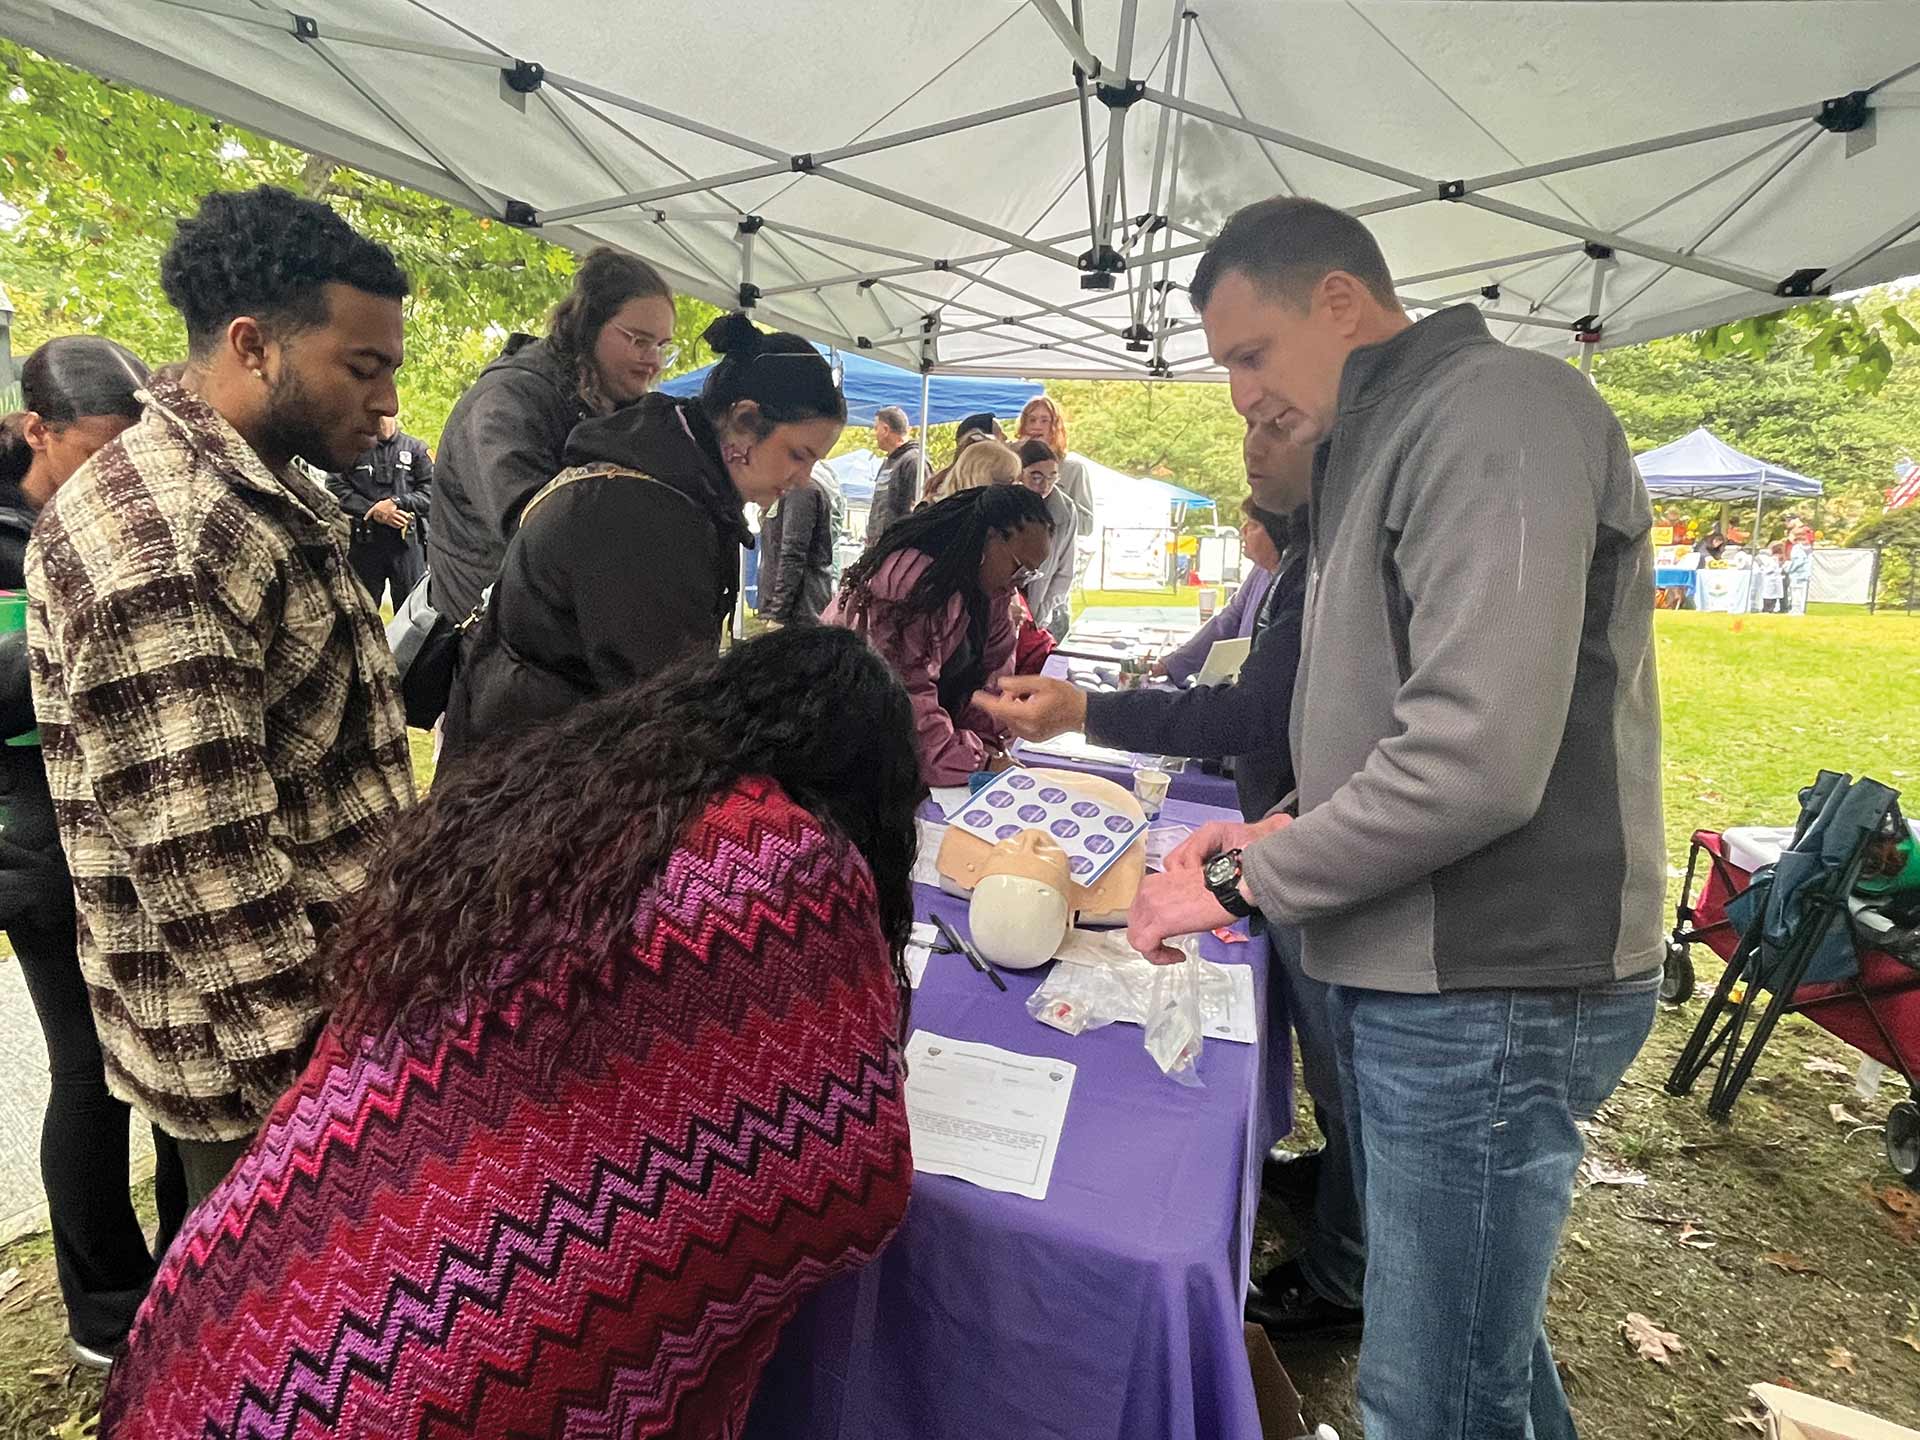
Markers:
point(1093, 985)
point(1176, 1026)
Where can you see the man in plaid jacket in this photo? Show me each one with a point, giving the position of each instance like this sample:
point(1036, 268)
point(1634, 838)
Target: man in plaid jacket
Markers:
point(217, 704)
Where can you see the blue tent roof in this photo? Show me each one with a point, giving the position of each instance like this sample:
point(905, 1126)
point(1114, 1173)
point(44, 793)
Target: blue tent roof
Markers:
point(870, 384)
point(856, 471)
point(1180, 495)
point(1701, 466)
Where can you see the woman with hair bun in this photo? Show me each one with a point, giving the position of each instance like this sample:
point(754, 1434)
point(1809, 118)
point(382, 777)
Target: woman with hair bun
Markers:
point(629, 559)
point(81, 392)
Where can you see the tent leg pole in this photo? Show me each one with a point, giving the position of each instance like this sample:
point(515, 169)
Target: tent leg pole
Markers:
point(1753, 542)
point(926, 430)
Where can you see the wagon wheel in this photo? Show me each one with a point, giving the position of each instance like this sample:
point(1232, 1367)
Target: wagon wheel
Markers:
point(1676, 976)
point(1903, 1140)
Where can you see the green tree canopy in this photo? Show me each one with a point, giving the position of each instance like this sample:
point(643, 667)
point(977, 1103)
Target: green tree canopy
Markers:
point(93, 177)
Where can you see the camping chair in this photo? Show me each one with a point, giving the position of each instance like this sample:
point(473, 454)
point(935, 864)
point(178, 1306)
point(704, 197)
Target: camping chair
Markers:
point(1794, 931)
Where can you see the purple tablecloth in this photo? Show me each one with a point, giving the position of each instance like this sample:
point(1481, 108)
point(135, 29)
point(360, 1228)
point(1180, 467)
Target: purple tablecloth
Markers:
point(1111, 1310)
point(1192, 784)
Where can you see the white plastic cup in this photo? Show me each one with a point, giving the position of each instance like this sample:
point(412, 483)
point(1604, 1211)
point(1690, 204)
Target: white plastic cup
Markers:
point(1150, 789)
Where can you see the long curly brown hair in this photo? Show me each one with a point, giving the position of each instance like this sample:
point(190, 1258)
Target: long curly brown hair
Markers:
point(530, 854)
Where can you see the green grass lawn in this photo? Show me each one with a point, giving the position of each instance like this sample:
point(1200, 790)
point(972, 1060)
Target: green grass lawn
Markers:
point(1754, 705)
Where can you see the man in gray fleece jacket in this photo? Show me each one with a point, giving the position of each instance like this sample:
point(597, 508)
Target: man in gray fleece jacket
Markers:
point(1477, 864)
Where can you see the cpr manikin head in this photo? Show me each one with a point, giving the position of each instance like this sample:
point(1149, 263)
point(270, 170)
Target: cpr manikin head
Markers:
point(1021, 907)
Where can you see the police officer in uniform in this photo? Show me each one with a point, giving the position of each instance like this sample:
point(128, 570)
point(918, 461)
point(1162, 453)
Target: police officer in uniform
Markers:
point(387, 494)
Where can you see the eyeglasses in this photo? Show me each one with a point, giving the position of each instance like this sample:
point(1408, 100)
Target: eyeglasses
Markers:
point(644, 343)
point(835, 362)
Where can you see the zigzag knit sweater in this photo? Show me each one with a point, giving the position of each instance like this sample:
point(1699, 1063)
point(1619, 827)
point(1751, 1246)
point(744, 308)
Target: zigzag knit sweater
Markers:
point(585, 1209)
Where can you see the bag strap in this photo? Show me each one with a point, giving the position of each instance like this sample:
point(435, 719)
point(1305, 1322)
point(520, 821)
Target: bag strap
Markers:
point(566, 478)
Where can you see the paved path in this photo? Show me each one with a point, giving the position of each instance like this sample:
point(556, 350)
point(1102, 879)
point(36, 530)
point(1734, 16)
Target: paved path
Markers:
point(23, 1101)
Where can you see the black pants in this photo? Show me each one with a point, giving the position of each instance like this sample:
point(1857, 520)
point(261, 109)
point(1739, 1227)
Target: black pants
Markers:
point(380, 563)
point(98, 1248)
point(206, 1163)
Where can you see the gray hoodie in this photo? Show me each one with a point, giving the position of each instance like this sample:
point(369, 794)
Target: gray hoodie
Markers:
point(1476, 724)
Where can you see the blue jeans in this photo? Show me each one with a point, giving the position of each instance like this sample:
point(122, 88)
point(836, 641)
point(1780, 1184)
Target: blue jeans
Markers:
point(1461, 1112)
point(1333, 1256)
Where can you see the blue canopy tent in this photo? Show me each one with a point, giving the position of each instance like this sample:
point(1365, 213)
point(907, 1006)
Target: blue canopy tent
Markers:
point(1701, 466)
point(932, 400)
point(856, 471)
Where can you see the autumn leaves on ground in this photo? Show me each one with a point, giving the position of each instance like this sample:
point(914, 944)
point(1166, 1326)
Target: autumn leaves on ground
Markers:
point(1779, 1248)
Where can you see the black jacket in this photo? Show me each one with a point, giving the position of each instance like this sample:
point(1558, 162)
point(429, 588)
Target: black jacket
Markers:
point(400, 470)
point(505, 438)
point(629, 562)
point(33, 869)
point(796, 556)
point(896, 489)
point(1247, 719)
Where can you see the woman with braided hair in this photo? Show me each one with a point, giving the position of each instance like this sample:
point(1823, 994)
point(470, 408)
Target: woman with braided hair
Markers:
point(935, 597)
point(612, 1085)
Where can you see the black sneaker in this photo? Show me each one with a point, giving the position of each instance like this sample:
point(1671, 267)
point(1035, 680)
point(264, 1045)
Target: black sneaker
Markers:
point(1291, 1176)
point(1288, 1308)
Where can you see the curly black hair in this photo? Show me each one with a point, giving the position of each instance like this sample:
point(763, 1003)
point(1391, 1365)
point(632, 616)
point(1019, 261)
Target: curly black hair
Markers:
point(526, 853)
point(267, 253)
point(954, 534)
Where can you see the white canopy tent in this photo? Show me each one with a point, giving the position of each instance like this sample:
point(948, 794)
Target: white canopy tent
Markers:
point(1023, 186)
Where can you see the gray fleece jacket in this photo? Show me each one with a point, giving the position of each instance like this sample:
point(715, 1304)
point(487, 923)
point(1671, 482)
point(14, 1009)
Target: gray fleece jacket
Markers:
point(1476, 725)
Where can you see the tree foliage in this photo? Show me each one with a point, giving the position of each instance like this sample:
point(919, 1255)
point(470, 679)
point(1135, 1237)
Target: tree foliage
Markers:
point(1895, 528)
point(1798, 409)
point(93, 177)
point(1859, 342)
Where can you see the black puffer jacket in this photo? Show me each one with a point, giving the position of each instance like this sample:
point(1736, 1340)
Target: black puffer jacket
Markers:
point(628, 561)
point(33, 869)
point(505, 438)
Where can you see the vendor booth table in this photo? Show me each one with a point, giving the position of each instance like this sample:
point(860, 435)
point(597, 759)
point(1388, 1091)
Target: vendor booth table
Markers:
point(1191, 784)
point(1674, 584)
point(1111, 1310)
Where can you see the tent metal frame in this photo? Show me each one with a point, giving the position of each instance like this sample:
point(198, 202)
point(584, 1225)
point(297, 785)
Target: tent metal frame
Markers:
point(1103, 253)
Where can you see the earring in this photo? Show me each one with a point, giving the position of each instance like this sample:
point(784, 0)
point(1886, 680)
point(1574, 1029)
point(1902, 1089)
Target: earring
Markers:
point(734, 455)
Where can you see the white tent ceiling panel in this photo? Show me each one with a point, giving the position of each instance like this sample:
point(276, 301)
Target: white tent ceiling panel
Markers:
point(934, 148)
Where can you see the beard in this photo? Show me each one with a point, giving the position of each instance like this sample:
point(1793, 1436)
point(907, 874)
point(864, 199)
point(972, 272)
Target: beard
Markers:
point(295, 424)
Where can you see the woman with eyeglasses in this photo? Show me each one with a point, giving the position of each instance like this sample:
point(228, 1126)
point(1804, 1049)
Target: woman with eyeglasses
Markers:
point(629, 558)
point(607, 345)
point(935, 596)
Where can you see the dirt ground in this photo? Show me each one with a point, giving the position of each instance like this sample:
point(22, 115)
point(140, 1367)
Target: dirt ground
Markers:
point(1779, 1248)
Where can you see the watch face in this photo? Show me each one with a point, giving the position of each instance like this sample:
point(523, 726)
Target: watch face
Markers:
point(1220, 869)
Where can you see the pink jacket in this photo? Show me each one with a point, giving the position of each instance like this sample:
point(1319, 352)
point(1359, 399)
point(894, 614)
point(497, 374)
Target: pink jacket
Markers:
point(918, 649)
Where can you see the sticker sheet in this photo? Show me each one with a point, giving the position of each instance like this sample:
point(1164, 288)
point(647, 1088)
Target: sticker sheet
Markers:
point(1094, 835)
